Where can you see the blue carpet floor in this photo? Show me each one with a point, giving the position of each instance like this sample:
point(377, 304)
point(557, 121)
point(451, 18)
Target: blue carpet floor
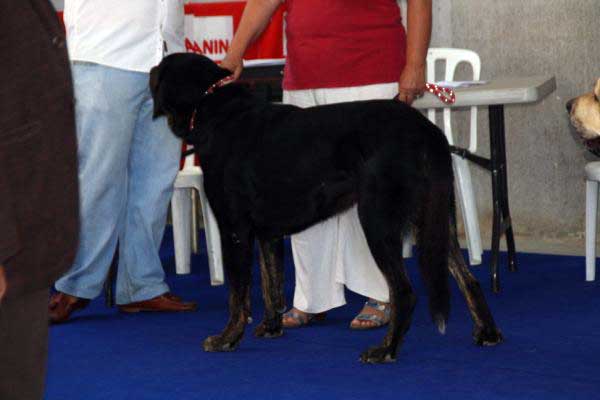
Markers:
point(549, 315)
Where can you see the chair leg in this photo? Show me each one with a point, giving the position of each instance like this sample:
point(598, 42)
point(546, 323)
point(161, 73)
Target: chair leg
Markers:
point(213, 241)
point(194, 237)
point(407, 243)
point(591, 208)
point(468, 208)
point(181, 204)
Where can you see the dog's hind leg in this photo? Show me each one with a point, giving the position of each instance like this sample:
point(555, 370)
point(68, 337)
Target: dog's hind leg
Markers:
point(237, 248)
point(485, 331)
point(384, 238)
point(271, 269)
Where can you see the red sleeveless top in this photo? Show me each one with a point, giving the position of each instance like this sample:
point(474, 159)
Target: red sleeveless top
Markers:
point(342, 43)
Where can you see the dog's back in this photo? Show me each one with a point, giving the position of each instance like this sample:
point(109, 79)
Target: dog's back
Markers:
point(378, 154)
point(309, 164)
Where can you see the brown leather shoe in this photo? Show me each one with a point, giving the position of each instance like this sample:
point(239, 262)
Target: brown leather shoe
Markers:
point(165, 302)
point(62, 305)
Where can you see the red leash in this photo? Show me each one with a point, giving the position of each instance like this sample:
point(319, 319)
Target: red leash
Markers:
point(446, 95)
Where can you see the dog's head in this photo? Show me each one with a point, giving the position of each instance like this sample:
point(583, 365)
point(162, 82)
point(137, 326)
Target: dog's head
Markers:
point(179, 83)
point(584, 112)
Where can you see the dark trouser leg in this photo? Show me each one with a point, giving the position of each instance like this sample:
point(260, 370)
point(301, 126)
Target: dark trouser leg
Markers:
point(23, 346)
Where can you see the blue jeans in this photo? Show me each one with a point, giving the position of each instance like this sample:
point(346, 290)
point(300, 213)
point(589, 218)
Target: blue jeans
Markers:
point(127, 165)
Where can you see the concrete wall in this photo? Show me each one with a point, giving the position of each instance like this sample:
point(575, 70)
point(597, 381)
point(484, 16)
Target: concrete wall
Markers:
point(533, 37)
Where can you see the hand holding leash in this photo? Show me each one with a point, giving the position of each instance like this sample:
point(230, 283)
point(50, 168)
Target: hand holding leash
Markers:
point(234, 65)
point(411, 84)
point(446, 95)
point(408, 95)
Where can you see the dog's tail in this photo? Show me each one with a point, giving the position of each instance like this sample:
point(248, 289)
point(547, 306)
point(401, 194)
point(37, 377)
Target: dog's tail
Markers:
point(433, 240)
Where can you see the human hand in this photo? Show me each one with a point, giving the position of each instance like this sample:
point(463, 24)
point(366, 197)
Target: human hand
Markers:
point(2, 283)
point(411, 84)
point(233, 64)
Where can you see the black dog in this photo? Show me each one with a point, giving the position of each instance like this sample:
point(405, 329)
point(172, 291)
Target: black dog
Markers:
point(272, 170)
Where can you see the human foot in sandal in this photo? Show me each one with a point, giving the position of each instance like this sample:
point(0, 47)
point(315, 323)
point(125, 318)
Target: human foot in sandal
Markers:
point(374, 314)
point(296, 318)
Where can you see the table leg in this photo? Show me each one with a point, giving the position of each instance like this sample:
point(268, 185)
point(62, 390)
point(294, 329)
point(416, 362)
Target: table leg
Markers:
point(506, 219)
point(501, 219)
point(497, 217)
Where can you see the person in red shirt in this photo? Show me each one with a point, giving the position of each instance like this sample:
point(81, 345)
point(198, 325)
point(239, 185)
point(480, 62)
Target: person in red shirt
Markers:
point(338, 51)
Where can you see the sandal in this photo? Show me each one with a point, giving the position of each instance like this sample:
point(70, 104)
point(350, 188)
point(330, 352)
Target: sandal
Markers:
point(300, 319)
point(377, 321)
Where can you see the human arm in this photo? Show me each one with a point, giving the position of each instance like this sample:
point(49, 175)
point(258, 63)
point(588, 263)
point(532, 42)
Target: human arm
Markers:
point(412, 79)
point(255, 18)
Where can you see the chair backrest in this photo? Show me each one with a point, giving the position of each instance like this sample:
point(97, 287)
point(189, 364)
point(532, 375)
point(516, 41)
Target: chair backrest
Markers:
point(451, 59)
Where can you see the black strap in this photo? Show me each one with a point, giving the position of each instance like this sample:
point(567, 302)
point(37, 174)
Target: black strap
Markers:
point(188, 152)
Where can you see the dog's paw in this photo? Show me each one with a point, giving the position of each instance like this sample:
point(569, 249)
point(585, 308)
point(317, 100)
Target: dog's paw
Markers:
point(487, 336)
point(378, 355)
point(219, 343)
point(265, 330)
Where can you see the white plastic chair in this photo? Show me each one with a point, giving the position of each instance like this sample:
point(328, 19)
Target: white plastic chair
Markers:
point(452, 57)
point(190, 178)
point(592, 176)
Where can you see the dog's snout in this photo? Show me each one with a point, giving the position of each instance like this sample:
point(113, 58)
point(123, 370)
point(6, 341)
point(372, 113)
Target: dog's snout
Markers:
point(569, 105)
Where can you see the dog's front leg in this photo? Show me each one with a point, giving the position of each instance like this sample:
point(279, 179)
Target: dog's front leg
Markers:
point(271, 269)
point(237, 259)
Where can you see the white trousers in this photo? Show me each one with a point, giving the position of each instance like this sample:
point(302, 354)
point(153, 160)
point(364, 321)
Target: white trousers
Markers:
point(334, 253)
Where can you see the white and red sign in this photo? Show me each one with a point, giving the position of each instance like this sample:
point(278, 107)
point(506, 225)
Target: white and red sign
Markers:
point(210, 36)
point(209, 28)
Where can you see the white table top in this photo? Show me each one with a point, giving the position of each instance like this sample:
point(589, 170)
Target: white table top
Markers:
point(496, 91)
point(517, 90)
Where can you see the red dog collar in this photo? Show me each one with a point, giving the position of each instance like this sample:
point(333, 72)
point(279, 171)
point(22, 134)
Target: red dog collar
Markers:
point(211, 89)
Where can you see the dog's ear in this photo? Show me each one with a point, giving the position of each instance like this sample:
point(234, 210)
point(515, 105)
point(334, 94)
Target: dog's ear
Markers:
point(597, 90)
point(154, 86)
point(154, 79)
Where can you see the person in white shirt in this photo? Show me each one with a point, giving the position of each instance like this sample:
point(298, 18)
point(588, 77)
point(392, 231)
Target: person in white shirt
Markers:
point(127, 160)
